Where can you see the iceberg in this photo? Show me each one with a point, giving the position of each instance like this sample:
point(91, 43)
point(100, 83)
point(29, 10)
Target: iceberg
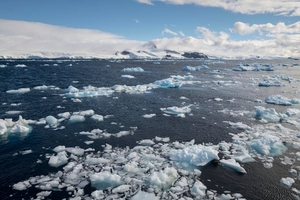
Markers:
point(198, 68)
point(287, 182)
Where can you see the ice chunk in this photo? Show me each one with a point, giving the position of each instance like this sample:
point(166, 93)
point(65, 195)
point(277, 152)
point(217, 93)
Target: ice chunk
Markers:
point(134, 69)
point(76, 118)
point(268, 115)
point(163, 179)
point(146, 142)
point(51, 120)
point(64, 115)
point(127, 76)
point(149, 115)
point(269, 83)
point(198, 155)
point(59, 149)
point(21, 186)
point(198, 190)
point(18, 91)
point(198, 68)
point(287, 182)
point(240, 126)
point(104, 180)
point(19, 128)
point(3, 128)
point(232, 164)
point(280, 100)
point(144, 196)
point(97, 117)
point(121, 189)
point(20, 65)
point(268, 145)
point(75, 150)
point(176, 110)
point(58, 160)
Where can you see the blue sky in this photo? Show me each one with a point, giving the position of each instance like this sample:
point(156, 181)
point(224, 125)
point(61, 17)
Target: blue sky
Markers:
point(146, 20)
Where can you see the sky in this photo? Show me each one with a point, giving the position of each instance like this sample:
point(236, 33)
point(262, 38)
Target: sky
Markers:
point(221, 27)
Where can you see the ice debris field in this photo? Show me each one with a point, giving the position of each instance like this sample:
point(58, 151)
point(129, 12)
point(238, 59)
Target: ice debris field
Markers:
point(157, 168)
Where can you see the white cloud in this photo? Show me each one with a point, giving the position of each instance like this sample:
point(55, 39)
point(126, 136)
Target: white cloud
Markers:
point(279, 7)
point(243, 28)
point(181, 33)
point(27, 37)
point(31, 36)
point(219, 44)
point(149, 2)
point(137, 21)
point(166, 30)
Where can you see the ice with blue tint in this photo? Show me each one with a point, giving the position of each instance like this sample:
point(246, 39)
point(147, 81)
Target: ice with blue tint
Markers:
point(175, 81)
point(268, 145)
point(127, 76)
point(179, 111)
point(254, 67)
point(268, 115)
point(104, 180)
point(21, 127)
point(287, 182)
point(198, 68)
point(133, 69)
point(198, 155)
point(18, 91)
point(232, 164)
point(269, 83)
point(281, 100)
point(164, 178)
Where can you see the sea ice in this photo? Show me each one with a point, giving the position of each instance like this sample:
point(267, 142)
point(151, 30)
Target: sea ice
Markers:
point(268, 145)
point(232, 164)
point(58, 160)
point(149, 115)
point(280, 100)
point(198, 155)
point(268, 115)
point(127, 76)
point(20, 65)
point(144, 196)
point(198, 189)
point(269, 83)
point(76, 118)
point(134, 69)
point(198, 68)
point(18, 91)
point(97, 117)
point(287, 182)
point(104, 180)
point(163, 179)
point(174, 110)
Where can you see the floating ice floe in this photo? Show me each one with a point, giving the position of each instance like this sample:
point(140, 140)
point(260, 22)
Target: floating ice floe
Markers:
point(90, 91)
point(232, 164)
point(268, 115)
point(133, 69)
point(254, 67)
point(287, 182)
point(149, 115)
point(198, 68)
point(20, 65)
point(197, 155)
point(179, 111)
point(18, 91)
point(3, 66)
point(127, 76)
point(7, 126)
point(280, 100)
point(269, 83)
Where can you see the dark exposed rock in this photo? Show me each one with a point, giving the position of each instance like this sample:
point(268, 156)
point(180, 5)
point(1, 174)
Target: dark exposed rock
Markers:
point(194, 55)
point(172, 51)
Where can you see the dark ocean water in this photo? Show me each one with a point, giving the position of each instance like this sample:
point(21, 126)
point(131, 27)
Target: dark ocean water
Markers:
point(205, 125)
